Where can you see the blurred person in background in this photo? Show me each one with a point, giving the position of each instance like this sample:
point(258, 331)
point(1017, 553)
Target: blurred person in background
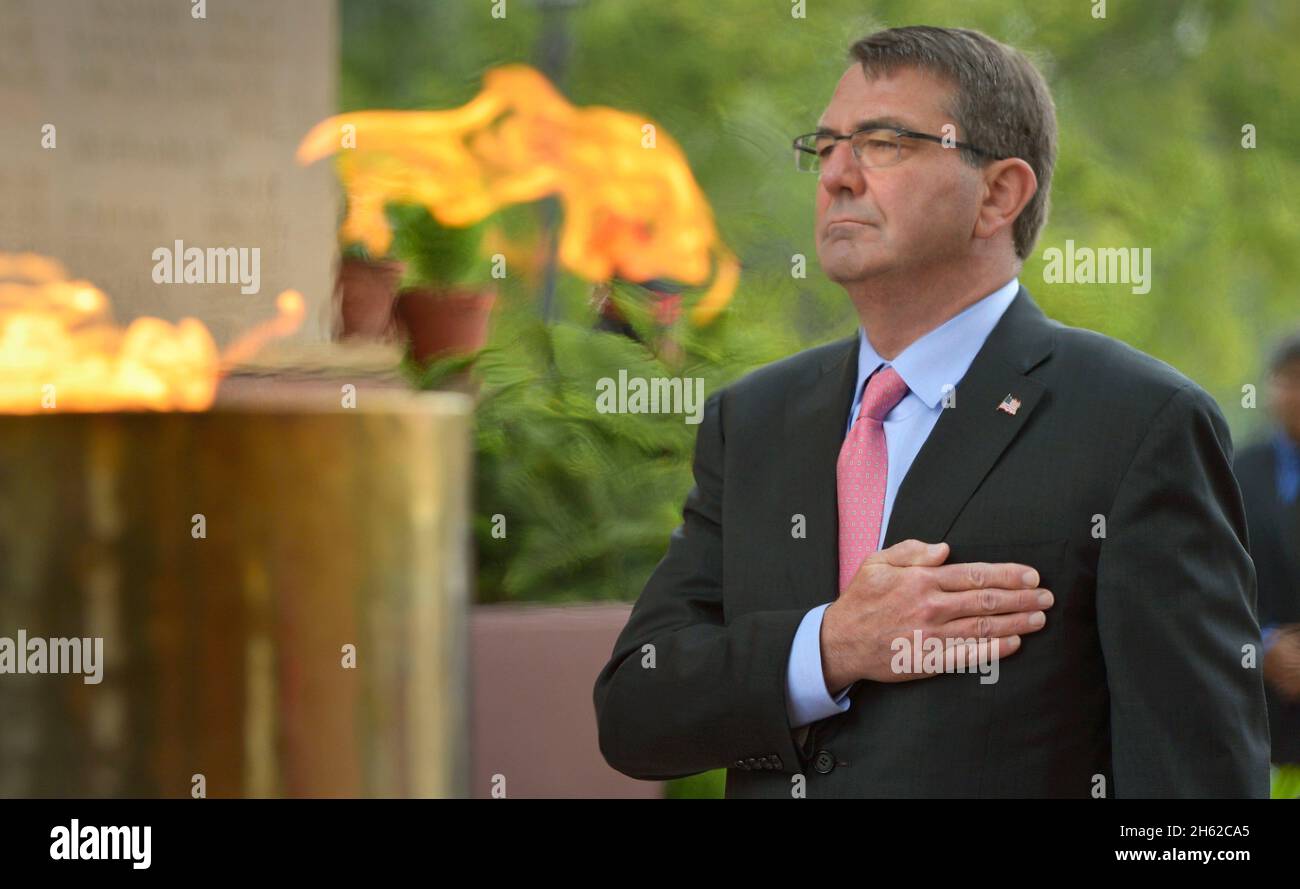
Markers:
point(1269, 474)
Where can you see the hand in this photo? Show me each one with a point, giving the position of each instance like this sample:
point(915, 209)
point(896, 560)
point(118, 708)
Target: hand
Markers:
point(1282, 663)
point(906, 588)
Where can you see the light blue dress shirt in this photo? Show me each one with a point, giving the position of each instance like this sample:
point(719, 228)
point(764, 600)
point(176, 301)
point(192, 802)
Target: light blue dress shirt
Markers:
point(931, 367)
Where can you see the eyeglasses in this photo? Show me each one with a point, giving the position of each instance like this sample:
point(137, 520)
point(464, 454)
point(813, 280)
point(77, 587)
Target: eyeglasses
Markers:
point(873, 147)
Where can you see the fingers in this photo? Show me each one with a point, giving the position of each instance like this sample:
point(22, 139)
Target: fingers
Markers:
point(976, 575)
point(994, 625)
point(973, 603)
point(911, 553)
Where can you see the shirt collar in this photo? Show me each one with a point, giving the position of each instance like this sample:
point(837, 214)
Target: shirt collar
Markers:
point(942, 356)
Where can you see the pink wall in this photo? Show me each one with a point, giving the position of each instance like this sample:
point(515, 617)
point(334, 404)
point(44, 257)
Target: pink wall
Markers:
point(532, 720)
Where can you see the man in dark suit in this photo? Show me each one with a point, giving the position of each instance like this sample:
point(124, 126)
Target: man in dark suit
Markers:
point(1269, 473)
point(963, 476)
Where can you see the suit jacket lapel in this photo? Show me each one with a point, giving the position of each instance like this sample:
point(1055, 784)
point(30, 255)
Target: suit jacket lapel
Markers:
point(814, 432)
point(971, 434)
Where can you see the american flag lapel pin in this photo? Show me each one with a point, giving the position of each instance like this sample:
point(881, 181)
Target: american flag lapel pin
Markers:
point(1010, 404)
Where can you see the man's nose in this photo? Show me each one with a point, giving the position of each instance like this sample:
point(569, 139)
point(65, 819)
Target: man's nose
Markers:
point(841, 170)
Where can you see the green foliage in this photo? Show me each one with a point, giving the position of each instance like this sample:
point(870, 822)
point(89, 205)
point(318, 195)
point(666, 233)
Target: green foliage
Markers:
point(706, 785)
point(565, 475)
point(589, 498)
point(436, 255)
point(356, 251)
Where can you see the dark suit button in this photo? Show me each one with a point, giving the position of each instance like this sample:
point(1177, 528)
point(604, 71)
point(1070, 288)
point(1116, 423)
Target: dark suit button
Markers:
point(739, 764)
point(824, 763)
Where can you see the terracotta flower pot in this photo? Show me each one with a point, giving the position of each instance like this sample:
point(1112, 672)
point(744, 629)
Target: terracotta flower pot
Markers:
point(367, 292)
point(453, 321)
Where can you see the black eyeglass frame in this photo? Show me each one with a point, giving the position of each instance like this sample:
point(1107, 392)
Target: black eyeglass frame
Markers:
point(897, 131)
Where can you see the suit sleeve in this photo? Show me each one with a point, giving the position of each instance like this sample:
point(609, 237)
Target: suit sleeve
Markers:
point(1175, 608)
point(689, 688)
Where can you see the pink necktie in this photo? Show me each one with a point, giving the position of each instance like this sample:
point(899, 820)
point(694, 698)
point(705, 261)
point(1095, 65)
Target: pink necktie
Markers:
point(862, 470)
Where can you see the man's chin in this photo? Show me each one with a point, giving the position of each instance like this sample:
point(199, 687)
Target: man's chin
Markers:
point(844, 262)
point(853, 272)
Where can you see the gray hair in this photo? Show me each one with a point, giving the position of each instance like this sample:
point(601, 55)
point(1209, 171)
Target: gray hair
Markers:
point(1001, 102)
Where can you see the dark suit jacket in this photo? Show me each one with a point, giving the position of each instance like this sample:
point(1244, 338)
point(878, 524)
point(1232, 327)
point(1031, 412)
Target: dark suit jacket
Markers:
point(1275, 547)
point(1138, 674)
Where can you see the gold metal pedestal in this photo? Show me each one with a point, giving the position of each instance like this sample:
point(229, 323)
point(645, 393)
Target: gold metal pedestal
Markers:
point(232, 561)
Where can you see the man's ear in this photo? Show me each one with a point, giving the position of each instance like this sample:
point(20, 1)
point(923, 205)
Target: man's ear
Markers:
point(1008, 185)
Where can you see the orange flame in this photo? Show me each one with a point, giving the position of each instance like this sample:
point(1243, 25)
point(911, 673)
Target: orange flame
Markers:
point(631, 206)
point(61, 351)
